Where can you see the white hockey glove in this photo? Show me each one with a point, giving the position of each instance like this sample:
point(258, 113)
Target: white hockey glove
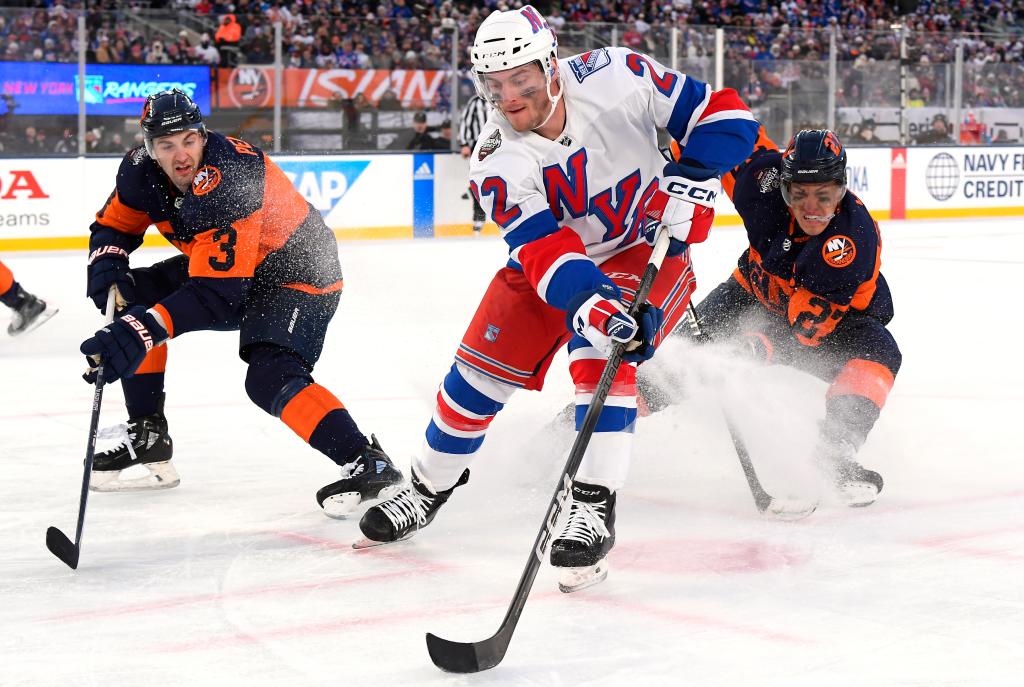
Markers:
point(685, 203)
point(601, 318)
point(601, 321)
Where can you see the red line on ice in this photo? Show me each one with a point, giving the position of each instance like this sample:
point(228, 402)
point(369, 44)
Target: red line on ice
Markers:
point(410, 563)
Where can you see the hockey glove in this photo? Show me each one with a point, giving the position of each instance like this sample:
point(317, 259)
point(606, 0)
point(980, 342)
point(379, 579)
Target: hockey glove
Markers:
point(600, 318)
point(650, 318)
point(685, 203)
point(108, 265)
point(123, 344)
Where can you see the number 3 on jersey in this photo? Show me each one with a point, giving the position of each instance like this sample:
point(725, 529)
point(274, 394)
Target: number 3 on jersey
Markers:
point(225, 238)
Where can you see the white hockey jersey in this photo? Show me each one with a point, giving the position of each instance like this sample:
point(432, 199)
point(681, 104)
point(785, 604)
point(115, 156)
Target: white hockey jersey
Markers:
point(565, 206)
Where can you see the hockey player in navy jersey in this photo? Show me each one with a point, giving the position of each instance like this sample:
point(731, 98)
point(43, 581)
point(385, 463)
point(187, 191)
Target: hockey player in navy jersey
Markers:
point(568, 167)
point(257, 258)
point(809, 292)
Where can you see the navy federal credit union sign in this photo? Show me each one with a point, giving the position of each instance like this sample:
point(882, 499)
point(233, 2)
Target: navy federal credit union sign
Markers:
point(40, 88)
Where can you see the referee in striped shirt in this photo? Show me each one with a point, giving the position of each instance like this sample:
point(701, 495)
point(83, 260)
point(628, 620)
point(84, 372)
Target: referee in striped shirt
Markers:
point(471, 121)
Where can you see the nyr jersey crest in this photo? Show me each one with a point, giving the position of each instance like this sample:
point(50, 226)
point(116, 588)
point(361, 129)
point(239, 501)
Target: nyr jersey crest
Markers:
point(589, 62)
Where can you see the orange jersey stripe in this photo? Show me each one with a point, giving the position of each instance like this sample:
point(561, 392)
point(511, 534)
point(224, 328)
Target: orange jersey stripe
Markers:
point(283, 212)
point(863, 378)
point(6, 278)
point(155, 361)
point(119, 216)
point(314, 290)
point(307, 408)
point(168, 322)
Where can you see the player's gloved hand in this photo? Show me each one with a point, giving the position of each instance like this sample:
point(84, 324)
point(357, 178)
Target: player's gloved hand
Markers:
point(601, 318)
point(108, 265)
point(123, 344)
point(650, 318)
point(685, 203)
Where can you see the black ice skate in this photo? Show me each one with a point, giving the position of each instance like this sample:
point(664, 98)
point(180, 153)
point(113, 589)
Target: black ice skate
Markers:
point(855, 485)
point(29, 313)
point(586, 538)
point(370, 475)
point(142, 443)
point(401, 516)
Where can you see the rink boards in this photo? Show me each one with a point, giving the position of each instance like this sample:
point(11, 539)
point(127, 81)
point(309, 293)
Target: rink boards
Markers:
point(49, 203)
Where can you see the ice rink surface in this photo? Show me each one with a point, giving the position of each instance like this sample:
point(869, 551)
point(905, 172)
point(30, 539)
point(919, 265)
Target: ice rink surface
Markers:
point(236, 578)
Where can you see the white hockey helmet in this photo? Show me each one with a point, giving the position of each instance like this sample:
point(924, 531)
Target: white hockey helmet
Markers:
point(510, 39)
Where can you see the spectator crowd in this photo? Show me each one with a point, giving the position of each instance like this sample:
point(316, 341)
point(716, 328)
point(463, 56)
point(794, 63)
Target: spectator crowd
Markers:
point(771, 46)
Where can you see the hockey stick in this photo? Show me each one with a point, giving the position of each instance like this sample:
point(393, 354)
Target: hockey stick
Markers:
point(472, 657)
point(783, 509)
point(56, 541)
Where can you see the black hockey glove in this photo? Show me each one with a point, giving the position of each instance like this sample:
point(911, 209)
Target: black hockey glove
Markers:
point(108, 266)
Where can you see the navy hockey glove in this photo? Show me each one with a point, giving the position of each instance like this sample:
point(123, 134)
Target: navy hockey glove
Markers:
point(123, 344)
point(108, 265)
point(685, 203)
point(601, 318)
point(650, 318)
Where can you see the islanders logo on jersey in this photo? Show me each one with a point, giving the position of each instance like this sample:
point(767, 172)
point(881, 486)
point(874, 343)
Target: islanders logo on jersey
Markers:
point(205, 180)
point(839, 251)
point(589, 62)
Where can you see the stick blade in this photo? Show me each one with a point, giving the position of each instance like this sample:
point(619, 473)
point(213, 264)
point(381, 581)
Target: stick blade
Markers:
point(789, 509)
point(465, 657)
point(62, 547)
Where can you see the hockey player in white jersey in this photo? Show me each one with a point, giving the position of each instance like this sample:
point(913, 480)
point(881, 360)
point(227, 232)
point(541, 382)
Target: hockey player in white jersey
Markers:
point(568, 167)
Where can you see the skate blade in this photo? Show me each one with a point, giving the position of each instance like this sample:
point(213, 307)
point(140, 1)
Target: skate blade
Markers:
point(41, 318)
point(366, 543)
point(161, 476)
point(575, 579)
point(340, 506)
point(857, 494)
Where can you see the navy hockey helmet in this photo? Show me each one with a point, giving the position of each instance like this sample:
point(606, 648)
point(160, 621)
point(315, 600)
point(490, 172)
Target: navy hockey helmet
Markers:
point(169, 112)
point(814, 156)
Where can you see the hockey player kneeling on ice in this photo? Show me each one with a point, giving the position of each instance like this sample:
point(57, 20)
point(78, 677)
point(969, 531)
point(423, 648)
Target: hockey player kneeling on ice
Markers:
point(808, 293)
point(568, 167)
point(258, 259)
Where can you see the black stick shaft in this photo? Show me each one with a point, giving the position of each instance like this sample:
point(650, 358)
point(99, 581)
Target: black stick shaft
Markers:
point(761, 498)
point(472, 657)
point(56, 541)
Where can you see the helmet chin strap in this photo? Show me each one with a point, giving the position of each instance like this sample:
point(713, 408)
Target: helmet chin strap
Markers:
point(553, 99)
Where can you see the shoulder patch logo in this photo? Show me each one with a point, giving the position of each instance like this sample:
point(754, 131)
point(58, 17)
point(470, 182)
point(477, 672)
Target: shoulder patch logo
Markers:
point(489, 145)
point(138, 155)
point(768, 179)
point(205, 180)
point(589, 62)
point(839, 251)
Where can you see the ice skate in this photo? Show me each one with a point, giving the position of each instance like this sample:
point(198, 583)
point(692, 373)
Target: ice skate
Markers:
point(141, 459)
point(369, 476)
point(29, 313)
point(855, 485)
point(586, 538)
point(404, 514)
